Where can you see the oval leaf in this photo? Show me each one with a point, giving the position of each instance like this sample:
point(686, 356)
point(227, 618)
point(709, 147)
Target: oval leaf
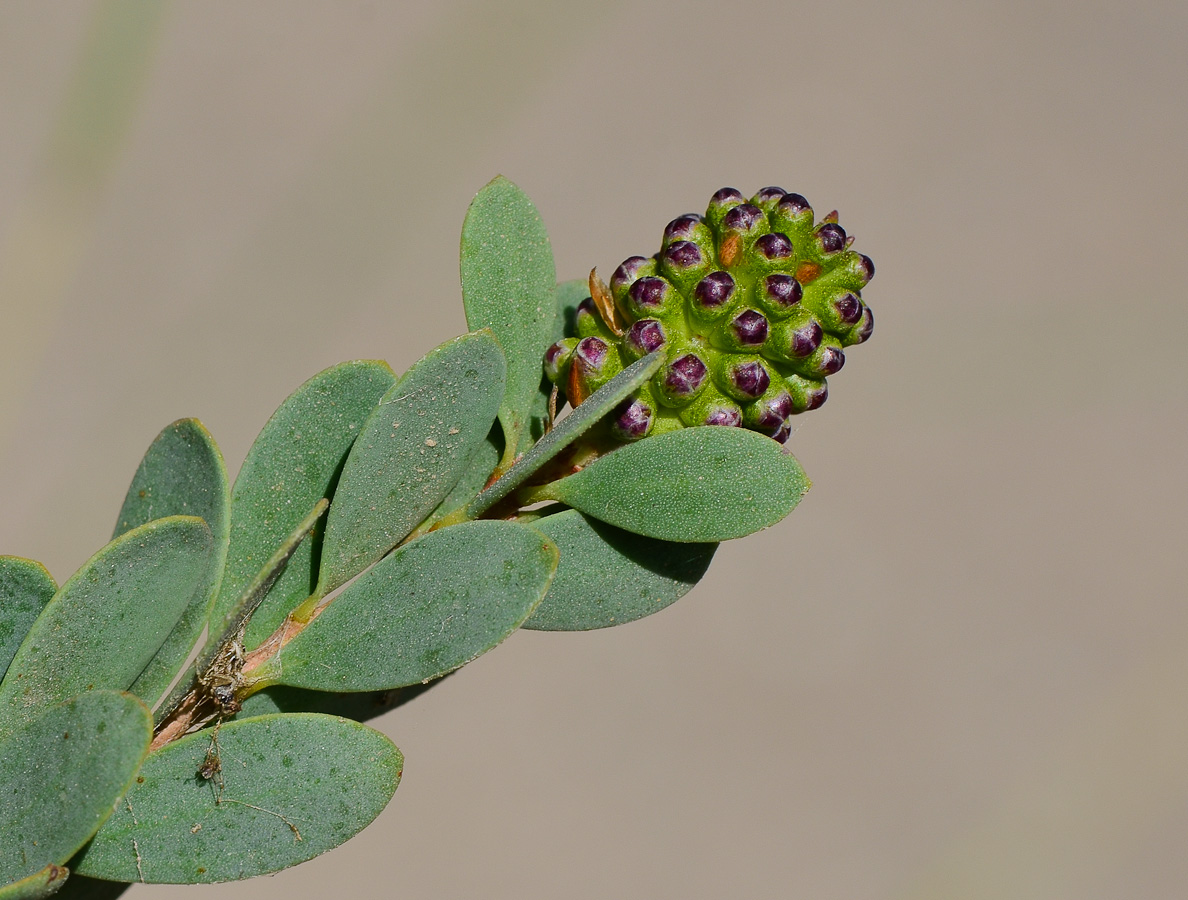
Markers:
point(25, 588)
point(608, 576)
point(45, 883)
point(62, 774)
point(181, 474)
point(709, 483)
point(433, 605)
point(508, 284)
point(105, 624)
point(291, 787)
point(411, 452)
point(294, 462)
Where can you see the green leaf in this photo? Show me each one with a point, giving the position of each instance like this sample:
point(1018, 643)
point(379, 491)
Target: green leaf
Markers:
point(45, 883)
point(608, 576)
point(568, 430)
point(293, 463)
point(411, 452)
point(62, 774)
point(182, 474)
point(433, 605)
point(292, 786)
point(709, 483)
point(104, 625)
point(25, 589)
point(508, 283)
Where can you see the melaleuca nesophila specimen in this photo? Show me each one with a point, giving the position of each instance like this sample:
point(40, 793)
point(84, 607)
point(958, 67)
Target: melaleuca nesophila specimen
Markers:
point(752, 304)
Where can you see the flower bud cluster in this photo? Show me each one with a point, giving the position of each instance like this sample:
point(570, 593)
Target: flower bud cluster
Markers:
point(753, 303)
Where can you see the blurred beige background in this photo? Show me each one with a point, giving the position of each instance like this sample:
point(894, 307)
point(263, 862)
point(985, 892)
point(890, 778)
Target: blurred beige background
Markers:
point(957, 671)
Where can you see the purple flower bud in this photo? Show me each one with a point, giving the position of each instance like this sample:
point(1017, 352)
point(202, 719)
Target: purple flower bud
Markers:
point(648, 293)
point(768, 196)
point(866, 328)
point(627, 272)
point(685, 375)
point(586, 318)
point(645, 336)
point(556, 357)
point(633, 419)
point(774, 245)
point(817, 397)
point(725, 196)
point(590, 354)
point(805, 339)
point(683, 255)
point(782, 290)
point(849, 308)
point(749, 328)
point(743, 218)
point(783, 432)
point(867, 265)
point(683, 227)
point(724, 415)
point(750, 379)
point(770, 414)
point(714, 289)
point(832, 359)
point(793, 205)
point(832, 237)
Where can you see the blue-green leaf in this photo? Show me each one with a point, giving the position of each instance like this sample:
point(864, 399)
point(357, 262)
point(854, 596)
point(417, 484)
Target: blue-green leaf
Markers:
point(433, 605)
point(709, 483)
point(291, 786)
point(181, 474)
point(25, 588)
point(508, 284)
point(62, 773)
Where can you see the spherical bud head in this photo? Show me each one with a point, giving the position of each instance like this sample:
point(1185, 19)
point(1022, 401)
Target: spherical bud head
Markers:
point(712, 408)
point(587, 322)
point(556, 359)
point(792, 215)
point(712, 295)
point(629, 271)
point(721, 203)
point(643, 337)
point(684, 263)
point(745, 331)
point(746, 380)
point(807, 393)
point(795, 339)
point(830, 238)
point(779, 294)
point(860, 332)
point(681, 380)
point(767, 198)
point(632, 419)
point(769, 412)
point(827, 359)
point(650, 296)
